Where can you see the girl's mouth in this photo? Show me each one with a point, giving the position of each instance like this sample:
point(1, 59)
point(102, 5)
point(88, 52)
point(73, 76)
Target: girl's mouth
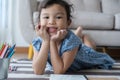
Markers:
point(52, 30)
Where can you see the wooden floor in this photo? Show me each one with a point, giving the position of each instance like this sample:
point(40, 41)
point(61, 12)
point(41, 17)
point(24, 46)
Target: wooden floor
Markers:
point(112, 51)
point(20, 56)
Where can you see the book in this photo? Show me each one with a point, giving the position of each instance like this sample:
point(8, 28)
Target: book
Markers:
point(67, 77)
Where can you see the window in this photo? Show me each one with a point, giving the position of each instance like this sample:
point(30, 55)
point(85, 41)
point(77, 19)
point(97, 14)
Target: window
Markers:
point(0, 12)
point(3, 13)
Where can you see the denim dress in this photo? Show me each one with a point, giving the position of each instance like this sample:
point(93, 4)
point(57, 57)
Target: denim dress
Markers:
point(86, 57)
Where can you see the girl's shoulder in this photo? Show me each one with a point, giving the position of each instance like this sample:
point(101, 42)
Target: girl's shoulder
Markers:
point(37, 43)
point(71, 37)
point(70, 42)
point(37, 39)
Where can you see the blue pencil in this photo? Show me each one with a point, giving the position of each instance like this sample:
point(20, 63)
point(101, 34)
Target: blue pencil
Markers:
point(10, 55)
point(11, 49)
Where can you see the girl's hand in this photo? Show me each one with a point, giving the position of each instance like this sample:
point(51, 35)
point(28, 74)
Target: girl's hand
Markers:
point(59, 36)
point(42, 32)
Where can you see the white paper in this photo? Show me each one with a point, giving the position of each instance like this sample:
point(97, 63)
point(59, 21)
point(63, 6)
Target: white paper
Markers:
point(22, 75)
point(67, 77)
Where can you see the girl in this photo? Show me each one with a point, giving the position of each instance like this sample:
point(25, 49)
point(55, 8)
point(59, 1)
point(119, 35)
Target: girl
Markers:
point(59, 47)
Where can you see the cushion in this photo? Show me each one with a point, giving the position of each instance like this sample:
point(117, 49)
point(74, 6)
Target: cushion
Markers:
point(104, 37)
point(92, 20)
point(92, 5)
point(117, 21)
point(85, 5)
point(111, 6)
point(77, 4)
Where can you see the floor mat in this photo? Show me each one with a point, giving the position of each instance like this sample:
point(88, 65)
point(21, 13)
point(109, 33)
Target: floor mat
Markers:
point(24, 71)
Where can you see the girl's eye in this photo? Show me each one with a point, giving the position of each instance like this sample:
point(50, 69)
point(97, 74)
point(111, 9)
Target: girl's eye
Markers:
point(59, 17)
point(46, 17)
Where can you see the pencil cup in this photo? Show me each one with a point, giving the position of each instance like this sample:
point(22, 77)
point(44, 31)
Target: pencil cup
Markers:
point(4, 65)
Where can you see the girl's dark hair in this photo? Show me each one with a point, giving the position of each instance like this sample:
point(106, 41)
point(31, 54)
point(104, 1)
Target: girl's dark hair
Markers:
point(48, 3)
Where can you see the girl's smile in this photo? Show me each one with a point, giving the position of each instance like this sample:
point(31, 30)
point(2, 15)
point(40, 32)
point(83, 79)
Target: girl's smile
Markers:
point(52, 30)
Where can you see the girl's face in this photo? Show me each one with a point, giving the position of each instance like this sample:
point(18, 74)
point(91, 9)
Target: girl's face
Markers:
point(54, 18)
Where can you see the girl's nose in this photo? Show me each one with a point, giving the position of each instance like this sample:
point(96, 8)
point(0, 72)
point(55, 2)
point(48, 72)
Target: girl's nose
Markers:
point(51, 21)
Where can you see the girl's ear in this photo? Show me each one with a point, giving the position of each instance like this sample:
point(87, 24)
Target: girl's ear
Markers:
point(69, 22)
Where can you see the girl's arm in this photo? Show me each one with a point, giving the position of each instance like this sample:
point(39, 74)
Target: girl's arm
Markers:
point(40, 58)
point(61, 64)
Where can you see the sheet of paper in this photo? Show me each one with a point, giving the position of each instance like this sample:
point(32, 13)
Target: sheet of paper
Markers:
point(67, 77)
point(23, 75)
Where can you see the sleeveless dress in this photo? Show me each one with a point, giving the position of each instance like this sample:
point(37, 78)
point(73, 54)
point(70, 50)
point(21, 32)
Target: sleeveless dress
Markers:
point(85, 58)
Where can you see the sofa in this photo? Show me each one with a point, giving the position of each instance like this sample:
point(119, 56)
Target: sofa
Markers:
point(100, 19)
